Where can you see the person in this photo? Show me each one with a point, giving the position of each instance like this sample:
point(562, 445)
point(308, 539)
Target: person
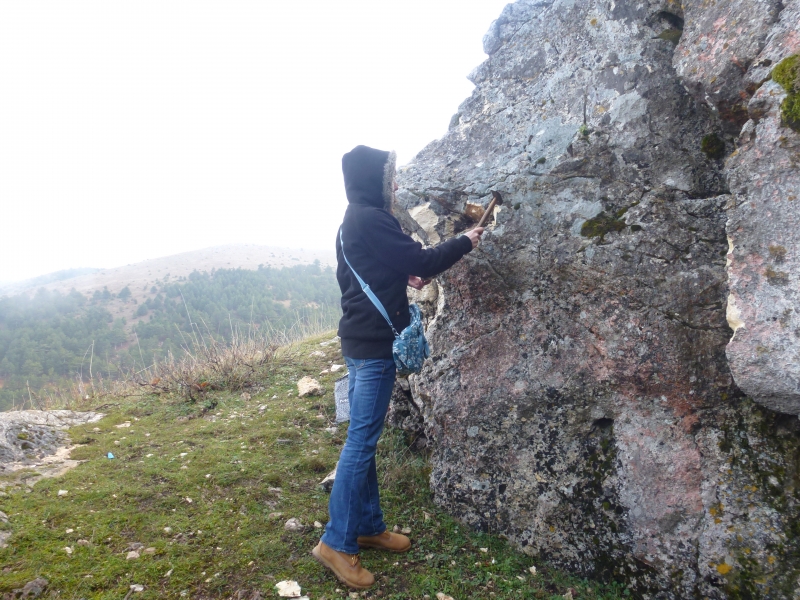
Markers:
point(388, 260)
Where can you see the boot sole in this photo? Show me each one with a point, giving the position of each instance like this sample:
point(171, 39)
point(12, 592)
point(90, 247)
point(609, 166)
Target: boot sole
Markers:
point(321, 560)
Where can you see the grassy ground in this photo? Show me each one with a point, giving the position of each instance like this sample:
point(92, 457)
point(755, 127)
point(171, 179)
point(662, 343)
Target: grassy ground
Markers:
point(194, 489)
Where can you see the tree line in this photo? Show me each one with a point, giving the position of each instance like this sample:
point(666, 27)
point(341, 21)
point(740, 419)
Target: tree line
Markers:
point(53, 339)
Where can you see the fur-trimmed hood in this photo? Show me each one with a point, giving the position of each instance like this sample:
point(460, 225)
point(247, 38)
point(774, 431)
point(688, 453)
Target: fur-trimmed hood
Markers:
point(369, 176)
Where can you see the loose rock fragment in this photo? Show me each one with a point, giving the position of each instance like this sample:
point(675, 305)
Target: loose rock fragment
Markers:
point(327, 483)
point(293, 524)
point(32, 589)
point(288, 589)
point(132, 555)
point(309, 387)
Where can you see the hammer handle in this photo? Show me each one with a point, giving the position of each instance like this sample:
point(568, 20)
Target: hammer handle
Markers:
point(489, 210)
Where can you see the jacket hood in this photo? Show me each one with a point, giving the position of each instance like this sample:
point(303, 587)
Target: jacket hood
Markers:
point(369, 176)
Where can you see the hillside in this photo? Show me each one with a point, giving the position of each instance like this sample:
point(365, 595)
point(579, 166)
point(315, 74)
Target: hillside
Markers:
point(196, 499)
point(51, 342)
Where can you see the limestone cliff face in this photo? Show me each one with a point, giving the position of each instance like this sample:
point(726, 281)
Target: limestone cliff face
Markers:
point(579, 398)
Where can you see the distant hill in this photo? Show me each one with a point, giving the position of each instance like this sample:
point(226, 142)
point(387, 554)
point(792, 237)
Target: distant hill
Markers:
point(51, 340)
point(168, 268)
point(17, 287)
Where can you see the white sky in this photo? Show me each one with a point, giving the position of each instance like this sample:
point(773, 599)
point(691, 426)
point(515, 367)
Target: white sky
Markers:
point(132, 130)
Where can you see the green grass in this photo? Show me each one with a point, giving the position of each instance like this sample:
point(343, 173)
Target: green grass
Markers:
point(238, 465)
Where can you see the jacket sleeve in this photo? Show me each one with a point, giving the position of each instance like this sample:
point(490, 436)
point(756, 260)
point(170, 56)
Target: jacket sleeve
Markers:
point(398, 251)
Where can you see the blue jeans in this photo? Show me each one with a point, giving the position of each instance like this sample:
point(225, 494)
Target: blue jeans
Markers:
point(354, 507)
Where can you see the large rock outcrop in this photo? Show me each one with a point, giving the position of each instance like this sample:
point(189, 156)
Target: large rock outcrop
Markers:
point(579, 398)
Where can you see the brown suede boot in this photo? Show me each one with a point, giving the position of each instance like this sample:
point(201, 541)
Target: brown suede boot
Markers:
point(346, 567)
point(393, 542)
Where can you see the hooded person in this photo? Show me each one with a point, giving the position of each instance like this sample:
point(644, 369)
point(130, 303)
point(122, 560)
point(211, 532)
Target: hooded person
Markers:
point(388, 260)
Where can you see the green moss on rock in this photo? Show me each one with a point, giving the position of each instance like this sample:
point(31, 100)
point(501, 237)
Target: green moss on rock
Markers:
point(790, 111)
point(600, 225)
point(787, 74)
point(712, 146)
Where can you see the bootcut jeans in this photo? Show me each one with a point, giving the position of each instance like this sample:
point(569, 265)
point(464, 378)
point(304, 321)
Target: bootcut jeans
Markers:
point(354, 508)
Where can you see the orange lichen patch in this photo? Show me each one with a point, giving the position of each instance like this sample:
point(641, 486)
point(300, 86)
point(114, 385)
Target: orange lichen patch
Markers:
point(724, 569)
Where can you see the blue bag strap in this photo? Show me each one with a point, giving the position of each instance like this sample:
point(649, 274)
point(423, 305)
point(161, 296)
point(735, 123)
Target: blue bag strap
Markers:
point(370, 294)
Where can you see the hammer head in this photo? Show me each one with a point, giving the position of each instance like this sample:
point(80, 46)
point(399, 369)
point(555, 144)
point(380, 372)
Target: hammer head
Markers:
point(498, 199)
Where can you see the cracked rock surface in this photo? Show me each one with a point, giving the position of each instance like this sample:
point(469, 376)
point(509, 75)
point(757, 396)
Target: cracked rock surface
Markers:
point(579, 398)
point(26, 436)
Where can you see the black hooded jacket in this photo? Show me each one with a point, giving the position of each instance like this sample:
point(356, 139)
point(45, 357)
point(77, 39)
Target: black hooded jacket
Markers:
point(381, 254)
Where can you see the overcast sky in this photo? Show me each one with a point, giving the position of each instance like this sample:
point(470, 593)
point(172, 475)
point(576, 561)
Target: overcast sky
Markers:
point(132, 130)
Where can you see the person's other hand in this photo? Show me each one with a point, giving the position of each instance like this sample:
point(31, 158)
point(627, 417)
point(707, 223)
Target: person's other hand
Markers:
point(474, 236)
point(417, 282)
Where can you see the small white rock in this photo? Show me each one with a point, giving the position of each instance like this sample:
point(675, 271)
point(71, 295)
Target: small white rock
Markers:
point(405, 530)
point(83, 542)
point(123, 425)
point(443, 596)
point(133, 554)
point(68, 550)
point(288, 589)
point(484, 550)
point(317, 525)
point(150, 550)
point(189, 500)
point(293, 524)
point(69, 530)
point(309, 387)
point(167, 529)
point(62, 492)
point(137, 588)
point(335, 368)
point(532, 570)
point(319, 353)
